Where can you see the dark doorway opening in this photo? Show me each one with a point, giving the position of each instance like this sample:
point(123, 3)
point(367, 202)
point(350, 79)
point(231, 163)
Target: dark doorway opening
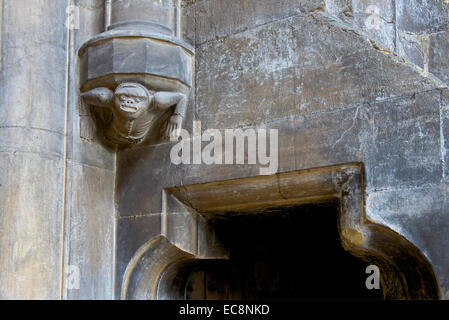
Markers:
point(284, 253)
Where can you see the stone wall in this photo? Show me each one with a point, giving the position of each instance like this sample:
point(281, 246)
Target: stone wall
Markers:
point(337, 91)
point(417, 31)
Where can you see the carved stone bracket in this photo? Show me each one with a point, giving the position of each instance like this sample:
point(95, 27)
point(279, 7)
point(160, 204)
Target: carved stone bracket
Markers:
point(136, 78)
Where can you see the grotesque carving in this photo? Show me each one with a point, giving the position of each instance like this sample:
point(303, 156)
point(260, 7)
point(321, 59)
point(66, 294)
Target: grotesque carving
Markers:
point(135, 110)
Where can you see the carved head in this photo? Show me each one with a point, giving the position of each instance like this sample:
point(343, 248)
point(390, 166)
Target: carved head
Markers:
point(131, 99)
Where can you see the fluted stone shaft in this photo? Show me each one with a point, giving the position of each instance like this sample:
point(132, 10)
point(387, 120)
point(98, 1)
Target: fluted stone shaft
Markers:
point(56, 180)
point(33, 108)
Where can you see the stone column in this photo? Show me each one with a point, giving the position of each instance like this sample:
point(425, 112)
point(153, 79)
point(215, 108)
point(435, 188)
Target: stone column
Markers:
point(33, 105)
point(158, 16)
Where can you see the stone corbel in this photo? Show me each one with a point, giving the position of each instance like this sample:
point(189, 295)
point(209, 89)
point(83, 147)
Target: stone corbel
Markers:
point(137, 75)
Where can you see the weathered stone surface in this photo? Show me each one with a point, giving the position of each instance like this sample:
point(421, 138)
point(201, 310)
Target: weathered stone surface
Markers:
point(131, 167)
point(356, 134)
point(33, 104)
point(160, 12)
point(197, 173)
point(82, 149)
point(342, 9)
point(384, 37)
point(30, 100)
point(339, 86)
point(438, 55)
point(386, 10)
point(188, 13)
point(182, 230)
point(418, 214)
point(346, 135)
point(208, 243)
point(32, 141)
point(31, 214)
point(90, 239)
point(92, 20)
point(92, 154)
point(325, 76)
point(241, 15)
point(142, 229)
point(402, 27)
point(421, 16)
point(373, 19)
point(413, 48)
point(406, 149)
point(331, 138)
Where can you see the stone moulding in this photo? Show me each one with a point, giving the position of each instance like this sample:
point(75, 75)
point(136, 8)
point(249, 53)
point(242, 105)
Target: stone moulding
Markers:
point(114, 56)
point(141, 24)
point(158, 267)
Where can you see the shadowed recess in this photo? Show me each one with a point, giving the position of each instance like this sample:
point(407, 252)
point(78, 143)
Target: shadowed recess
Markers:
point(284, 253)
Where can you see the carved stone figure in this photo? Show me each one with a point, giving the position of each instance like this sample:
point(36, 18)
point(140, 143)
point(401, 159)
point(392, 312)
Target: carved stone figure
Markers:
point(135, 110)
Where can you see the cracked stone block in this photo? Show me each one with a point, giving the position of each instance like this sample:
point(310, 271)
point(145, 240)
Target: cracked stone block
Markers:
point(439, 55)
point(406, 150)
point(242, 15)
point(380, 26)
point(413, 48)
point(340, 8)
point(331, 138)
point(281, 70)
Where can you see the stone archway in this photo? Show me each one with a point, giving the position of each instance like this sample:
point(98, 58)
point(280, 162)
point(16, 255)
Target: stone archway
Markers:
point(159, 268)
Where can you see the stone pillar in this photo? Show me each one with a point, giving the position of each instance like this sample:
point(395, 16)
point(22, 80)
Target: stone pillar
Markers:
point(33, 100)
point(158, 16)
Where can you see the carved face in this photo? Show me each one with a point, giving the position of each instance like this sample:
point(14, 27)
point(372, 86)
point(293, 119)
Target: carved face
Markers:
point(131, 100)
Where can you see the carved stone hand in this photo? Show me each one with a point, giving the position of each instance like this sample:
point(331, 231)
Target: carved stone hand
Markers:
point(174, 127)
